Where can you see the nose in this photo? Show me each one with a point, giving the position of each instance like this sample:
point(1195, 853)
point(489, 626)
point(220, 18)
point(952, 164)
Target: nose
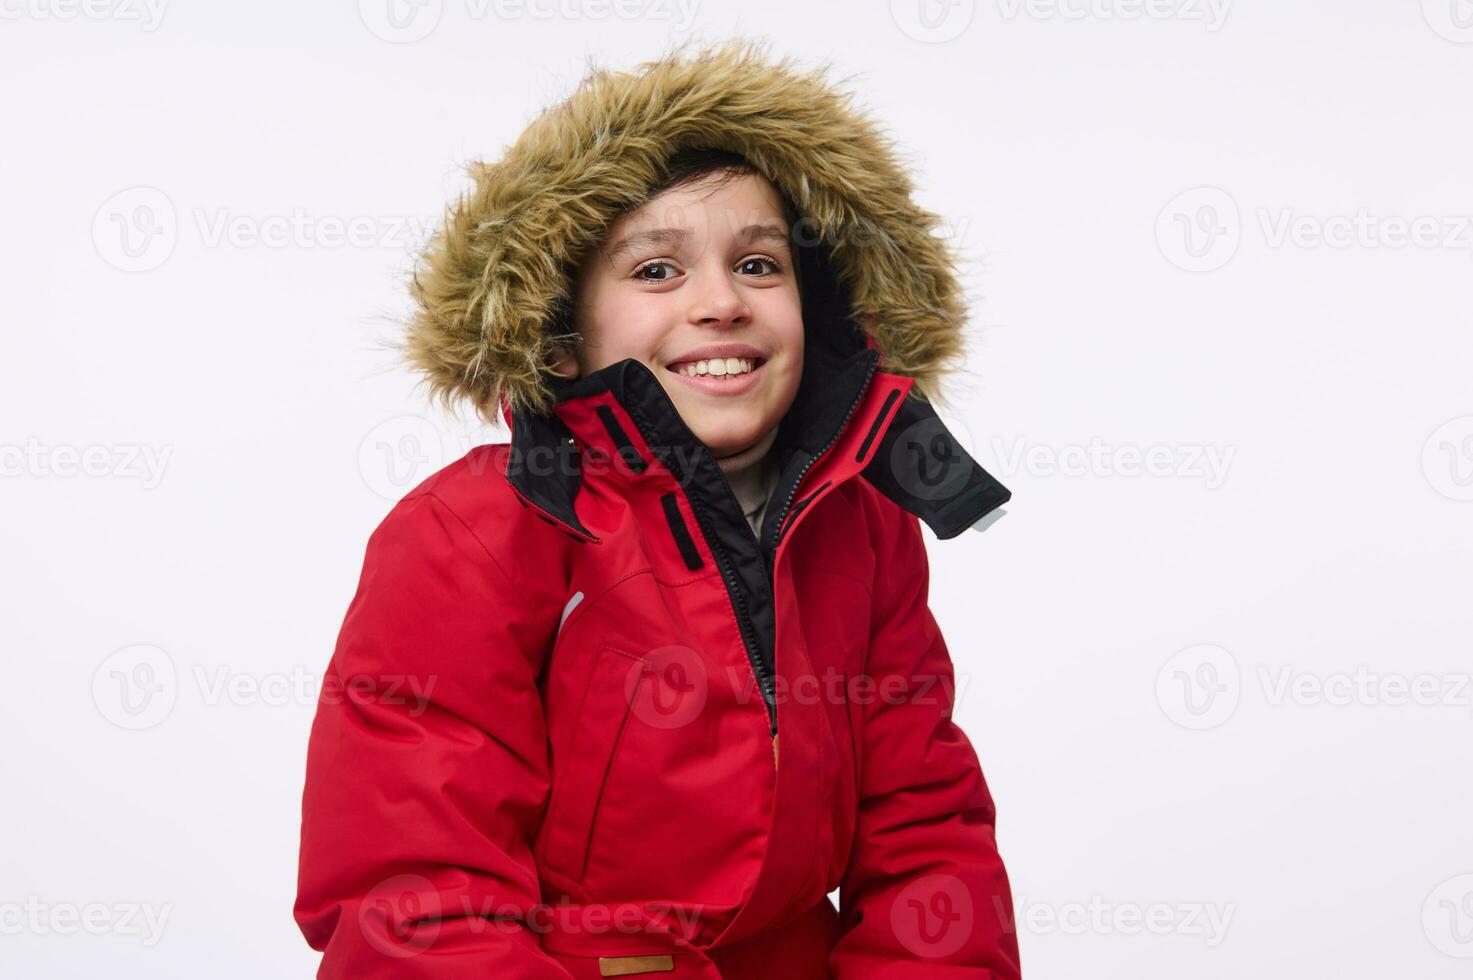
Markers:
point(717, 303)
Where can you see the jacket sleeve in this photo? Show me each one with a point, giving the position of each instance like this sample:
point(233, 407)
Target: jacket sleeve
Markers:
point(427, 768)
point(925, 895)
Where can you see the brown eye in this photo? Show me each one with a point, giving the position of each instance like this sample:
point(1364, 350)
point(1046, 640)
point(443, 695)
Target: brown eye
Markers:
point(758, 260)
point(640, 272)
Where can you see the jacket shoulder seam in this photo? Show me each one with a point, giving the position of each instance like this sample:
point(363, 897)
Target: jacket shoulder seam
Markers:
point(436, 498)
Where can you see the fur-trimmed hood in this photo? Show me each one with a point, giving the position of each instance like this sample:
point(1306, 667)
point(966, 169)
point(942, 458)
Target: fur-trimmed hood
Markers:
point(493, 288)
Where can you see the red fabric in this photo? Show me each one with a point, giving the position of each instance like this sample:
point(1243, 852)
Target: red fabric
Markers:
point(489, 794)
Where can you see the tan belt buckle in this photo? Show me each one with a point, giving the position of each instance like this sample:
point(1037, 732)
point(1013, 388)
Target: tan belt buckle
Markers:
point(623, 966)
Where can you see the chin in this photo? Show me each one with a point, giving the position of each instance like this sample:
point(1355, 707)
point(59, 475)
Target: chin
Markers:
point(725, 439)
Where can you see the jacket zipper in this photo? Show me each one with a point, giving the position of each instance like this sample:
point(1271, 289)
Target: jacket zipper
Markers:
point(765, 682)
point(769, 694)
point(770, 554)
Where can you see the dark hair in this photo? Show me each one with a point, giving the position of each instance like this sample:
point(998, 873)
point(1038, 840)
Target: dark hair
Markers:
point(695, 162)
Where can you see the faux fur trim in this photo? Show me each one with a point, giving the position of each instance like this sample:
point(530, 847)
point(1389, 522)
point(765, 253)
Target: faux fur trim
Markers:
point(493, 283)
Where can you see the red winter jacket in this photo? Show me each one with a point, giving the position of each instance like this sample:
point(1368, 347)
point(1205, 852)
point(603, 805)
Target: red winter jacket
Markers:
point(581, 722)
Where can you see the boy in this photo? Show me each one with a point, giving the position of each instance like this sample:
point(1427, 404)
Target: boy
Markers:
point(681, 678)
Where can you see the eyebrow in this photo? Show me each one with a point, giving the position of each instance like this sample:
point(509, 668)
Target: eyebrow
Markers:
point(676, 236)
point(655, 236)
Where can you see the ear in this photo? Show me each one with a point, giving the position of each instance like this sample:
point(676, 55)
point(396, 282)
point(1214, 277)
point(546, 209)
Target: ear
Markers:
point(565, 364)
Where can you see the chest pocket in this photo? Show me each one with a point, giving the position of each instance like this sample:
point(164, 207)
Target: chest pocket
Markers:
point(613, 684)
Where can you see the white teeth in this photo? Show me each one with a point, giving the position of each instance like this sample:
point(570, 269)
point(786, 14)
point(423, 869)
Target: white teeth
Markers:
point(717, 366)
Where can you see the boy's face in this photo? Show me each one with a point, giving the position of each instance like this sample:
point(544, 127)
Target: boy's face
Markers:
point(697, 267)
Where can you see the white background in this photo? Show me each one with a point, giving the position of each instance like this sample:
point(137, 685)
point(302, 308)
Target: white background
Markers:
point(1188, 687)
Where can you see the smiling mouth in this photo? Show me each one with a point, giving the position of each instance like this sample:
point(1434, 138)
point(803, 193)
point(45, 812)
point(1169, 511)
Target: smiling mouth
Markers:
point(717, 368)
point(720, 377)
